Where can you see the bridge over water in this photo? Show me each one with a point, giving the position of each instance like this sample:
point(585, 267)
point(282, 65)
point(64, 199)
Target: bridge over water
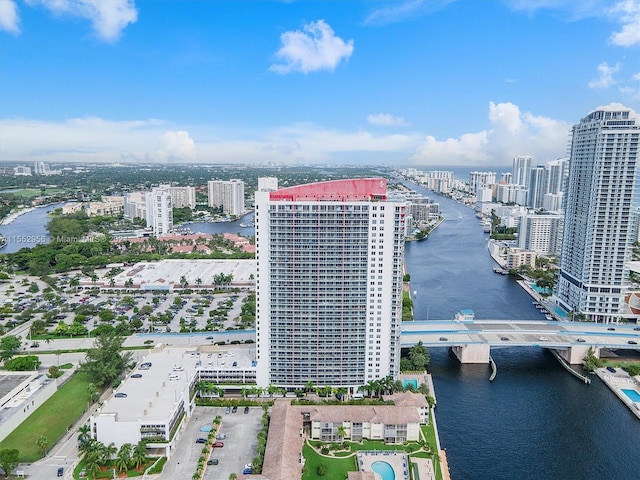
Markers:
point(472, 340)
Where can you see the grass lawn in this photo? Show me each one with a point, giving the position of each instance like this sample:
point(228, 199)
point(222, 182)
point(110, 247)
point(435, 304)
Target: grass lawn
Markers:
point(51, 420)
point(33, 192)
point(337, 468)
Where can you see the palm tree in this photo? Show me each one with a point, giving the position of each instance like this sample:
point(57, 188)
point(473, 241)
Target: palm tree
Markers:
point(123, 459)
point(139, 455)
point(309, 386)
point(342, 431)
point(92, 464)
point(107, 452)
point(419, 355)
point(84, 434)
point(42, 443)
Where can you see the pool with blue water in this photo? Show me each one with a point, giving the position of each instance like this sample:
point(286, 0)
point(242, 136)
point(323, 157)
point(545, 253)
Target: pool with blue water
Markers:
point(384, 470)
point(632, 394)
point(412, 381)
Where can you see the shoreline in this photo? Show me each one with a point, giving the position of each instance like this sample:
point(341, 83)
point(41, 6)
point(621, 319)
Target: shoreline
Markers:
point(615, 382)
point(9, 219)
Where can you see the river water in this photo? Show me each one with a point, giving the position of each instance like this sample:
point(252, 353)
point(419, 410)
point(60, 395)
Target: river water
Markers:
point(535, 421)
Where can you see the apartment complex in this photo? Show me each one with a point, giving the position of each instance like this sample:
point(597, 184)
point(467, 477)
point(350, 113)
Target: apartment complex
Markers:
point(329, 283)
point(228, 194)
point(183, 196)
point(159, 211)
point(541, 233)
point(599, 203)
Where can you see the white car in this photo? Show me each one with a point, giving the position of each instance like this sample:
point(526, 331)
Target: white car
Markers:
point(544, 339)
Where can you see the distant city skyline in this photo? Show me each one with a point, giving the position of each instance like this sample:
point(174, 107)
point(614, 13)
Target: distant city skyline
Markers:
point(404, 82)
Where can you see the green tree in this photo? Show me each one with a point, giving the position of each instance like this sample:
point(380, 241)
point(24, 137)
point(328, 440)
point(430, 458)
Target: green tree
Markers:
point(591, 361)
point(9, 460)
point(9, 346)
point(123, 458)
point(42, 443)
point(23, 363)
point(84, 434)
point(33, 288)
point(419, 356)
point(105, 362)
point(139, 455)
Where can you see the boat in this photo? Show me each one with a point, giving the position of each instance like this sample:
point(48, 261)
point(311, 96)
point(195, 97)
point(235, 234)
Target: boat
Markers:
point(244, 225)
point(501, 271)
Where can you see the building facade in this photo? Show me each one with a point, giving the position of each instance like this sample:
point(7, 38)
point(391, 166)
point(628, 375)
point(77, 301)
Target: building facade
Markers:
point(599, 205)
point(183, 197)
point(227, 194)
point(159, 211)
point(329, 284)
point(541, 233)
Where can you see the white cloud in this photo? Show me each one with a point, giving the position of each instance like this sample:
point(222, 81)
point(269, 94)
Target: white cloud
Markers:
point(108, 17)
point(628, 13)
point(510, 133)
point(99, 140)
point(314, 48)
point(398, 11)
point(176, 146)
point(9, 20)
point(386, 120)
point(605, 78)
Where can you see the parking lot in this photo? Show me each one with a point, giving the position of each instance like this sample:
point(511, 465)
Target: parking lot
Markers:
point(240, 444)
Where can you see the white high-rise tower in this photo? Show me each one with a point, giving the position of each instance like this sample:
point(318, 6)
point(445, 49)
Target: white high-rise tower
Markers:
point(329, 286)
point(599, 202)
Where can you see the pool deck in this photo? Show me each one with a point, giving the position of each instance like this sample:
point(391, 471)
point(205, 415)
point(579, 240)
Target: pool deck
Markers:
point(425, 468)
point(618, 381)
point(397, 460)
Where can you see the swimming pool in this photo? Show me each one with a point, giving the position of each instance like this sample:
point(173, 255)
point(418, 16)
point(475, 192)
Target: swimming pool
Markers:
point(412, 381)
point(384, 470)
point(632, 394)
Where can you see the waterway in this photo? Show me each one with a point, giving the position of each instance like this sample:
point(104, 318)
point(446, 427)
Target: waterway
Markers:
point(28, 229)
point(535, 421)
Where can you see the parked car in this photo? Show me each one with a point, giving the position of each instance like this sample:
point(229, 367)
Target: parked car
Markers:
point(246, 409)
point(632, 342)
point(213, 461)
point(611, 328)
point(234, 409)
point(221, 436)
point(218, 445)
point(504, 339)
point(443, 339)
point(136, 375)
point(60, 472)
point(544, 339)
point(201, 440)
point(247, 471)
point(611, 369)
point(227, 410)
point(120, 395)
point(636, 328)
point(581, 340)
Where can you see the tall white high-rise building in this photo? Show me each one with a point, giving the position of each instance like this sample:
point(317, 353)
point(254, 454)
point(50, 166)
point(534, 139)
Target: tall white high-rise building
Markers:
point(183, 197)
point(537, 186)
point(521, 169)
point(228, 194)
point(599, 202)
point(329, 283)
point(541, 233)
point(159, 211)
point(478, 180)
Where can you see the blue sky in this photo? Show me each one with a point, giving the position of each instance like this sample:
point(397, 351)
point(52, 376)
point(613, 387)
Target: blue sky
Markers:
point(415, 82)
